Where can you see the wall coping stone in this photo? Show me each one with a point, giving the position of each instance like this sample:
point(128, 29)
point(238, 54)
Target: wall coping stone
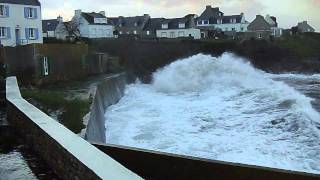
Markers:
point(101, 164)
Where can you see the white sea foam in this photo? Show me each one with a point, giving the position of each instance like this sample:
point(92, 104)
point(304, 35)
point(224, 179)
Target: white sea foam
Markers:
point(219, 108)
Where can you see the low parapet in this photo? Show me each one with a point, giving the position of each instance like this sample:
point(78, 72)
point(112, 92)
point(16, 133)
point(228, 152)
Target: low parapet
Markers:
point(67, 154)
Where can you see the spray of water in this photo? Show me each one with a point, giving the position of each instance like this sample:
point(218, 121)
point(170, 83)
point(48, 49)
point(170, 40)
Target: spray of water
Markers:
point(219, 108)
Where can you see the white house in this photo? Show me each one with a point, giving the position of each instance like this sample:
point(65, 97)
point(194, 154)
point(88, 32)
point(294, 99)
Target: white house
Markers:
point(55, 28)
point(20, 22)
point(93, 25)
point(214, 19)
point(178, 28)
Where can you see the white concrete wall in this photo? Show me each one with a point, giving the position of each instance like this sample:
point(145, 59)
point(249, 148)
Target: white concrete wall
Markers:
point(16, 20)
point(178, 33)
point(100, 31)
point(103, 166)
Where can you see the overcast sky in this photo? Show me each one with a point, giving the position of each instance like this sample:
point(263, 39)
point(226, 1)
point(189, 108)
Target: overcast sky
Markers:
point(288, 12)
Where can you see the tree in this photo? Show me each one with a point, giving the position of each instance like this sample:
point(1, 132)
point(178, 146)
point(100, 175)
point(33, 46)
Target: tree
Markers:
point(73, 28)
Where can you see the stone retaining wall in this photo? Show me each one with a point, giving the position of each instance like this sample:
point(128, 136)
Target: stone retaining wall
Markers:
point(107, 93)
point(67, 154)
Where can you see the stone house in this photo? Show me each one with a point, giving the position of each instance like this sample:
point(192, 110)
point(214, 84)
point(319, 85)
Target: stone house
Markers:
point(178, 28)
point(214, 19)
point(305, 27)
point(20, 22)
point(55, 28)
point(275, 30)
point(130, 26)
point(91, 25)
point(259, 29)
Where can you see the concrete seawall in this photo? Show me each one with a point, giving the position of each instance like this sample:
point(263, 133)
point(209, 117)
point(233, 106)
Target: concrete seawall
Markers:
point(67, 154)
point(157, 165)
point(107, 93)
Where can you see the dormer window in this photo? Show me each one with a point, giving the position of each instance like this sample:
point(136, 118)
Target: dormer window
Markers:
point(182, 25)
point(120, 25)
point(164, 26)
point(135, 24)
point(199, 22)
point(219, 21)
point(205, 22)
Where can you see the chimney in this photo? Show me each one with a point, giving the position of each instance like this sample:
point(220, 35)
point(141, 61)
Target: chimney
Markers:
point(259, 16)
point(77, 12)
point(242, 14)
point(103, 13)
point(60, 19)
point(208, 7)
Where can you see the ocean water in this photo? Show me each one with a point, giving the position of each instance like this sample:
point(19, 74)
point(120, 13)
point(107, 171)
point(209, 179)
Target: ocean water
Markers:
point(223, 109)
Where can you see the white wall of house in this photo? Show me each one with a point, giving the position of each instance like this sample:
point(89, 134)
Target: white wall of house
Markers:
point(100, 31)
point(94, 30)
point(18, 28)
point(238, 27)
point(176, 33)
point(49, 34)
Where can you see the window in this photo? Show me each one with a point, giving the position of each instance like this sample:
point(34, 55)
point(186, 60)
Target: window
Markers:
point(219, 21)
point(120, 32)
point(199, 22)
point(163, 34)
point(242, 29)
point(259, 35)
point(148, 32)
point(134, 32)
point(2, 10)
point(172, 35)
point(135, 24)
point(206, 22)
point(182, 25)
point(30, 13)
point(233, 29)
point(181, 34)
point(45, 66)
point(31, 33)
point(164, 26)
point(2, 32)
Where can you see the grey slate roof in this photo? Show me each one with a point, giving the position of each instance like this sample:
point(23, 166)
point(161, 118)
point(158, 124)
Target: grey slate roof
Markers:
point(174, 23)
point(210, 12)
point(90, 17)
point(259, 24)
point(24, 2)
point(136, 23)
point(128, 21)
point(49, 25)
point(154, 24)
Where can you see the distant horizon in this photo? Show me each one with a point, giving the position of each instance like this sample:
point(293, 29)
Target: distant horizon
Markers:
point(307, 10)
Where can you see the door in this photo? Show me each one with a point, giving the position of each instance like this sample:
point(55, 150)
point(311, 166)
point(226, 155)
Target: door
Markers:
point(17, 32)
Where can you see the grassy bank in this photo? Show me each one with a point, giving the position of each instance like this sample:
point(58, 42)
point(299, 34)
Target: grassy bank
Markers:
point(69, 112)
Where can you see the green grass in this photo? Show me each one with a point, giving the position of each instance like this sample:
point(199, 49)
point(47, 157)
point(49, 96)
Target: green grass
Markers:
point(72, 110)
point(305, 45)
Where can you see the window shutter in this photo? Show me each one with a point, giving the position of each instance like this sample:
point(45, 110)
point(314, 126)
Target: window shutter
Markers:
point(41, 66)
point(7, 11)
point(49, 66)
point(36, 34)
point(26, 12)
point(35, 13)
point(8, 33)
point(27, 33)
